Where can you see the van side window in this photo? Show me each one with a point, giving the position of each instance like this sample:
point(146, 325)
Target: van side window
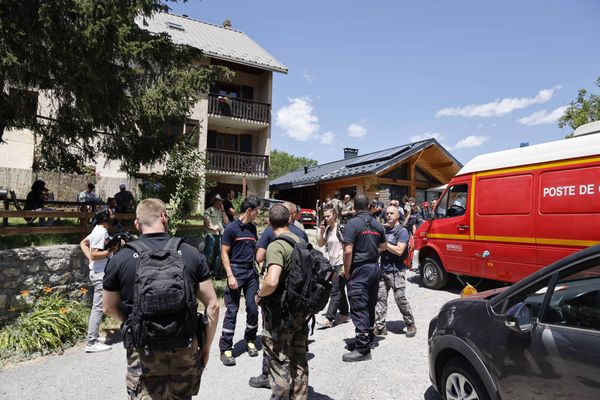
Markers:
point(453, 203)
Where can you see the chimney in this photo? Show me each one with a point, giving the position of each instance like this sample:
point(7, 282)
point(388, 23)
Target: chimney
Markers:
point(227, 24)
point(350, 153)
point(306, 170)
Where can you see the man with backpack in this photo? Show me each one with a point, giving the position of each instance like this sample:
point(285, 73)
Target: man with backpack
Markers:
point(364, 238)
point(285, 339)
point(393, 268)
point(268, 236)
point(152, 285)
point(237, 256)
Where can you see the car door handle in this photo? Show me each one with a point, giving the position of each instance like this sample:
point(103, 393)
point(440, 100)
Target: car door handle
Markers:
point(463, 227)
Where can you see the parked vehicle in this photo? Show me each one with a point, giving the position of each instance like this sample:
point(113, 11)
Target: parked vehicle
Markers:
point(524, 208)
point(538, 339)
point(308, 216)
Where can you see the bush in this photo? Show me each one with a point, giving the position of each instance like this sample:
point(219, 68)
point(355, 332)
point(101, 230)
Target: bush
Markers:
point(46, 324)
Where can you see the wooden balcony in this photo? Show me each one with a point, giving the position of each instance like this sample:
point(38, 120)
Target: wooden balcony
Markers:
point(239, 108)
point(235, 162)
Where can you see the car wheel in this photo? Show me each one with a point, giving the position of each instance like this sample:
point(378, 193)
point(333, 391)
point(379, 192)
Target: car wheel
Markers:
point(433, 274)
point(461, 382)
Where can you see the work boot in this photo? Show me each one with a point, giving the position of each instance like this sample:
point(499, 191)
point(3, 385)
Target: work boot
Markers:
point(260, 382)
point(351, 346)
point(411, 330)
point(227, 358)
point(355, 356)
point(380, 331)
point(251, 348)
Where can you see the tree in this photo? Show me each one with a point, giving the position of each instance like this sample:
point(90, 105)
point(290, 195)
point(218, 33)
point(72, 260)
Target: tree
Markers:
point(282, 163)
point(581, 111)
point(114, 87)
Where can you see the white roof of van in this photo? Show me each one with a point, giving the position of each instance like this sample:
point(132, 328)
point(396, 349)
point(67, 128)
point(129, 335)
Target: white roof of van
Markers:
point(576, 147)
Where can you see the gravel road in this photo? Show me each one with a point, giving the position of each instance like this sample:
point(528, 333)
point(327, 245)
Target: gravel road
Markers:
point(398, 369)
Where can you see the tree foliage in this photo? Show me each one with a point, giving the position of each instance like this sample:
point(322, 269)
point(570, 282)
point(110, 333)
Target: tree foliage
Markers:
point(282, 163)
point(581, 111)
point(113, 87)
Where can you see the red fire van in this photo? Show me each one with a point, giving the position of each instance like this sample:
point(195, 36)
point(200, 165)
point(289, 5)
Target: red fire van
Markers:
point(510, 213)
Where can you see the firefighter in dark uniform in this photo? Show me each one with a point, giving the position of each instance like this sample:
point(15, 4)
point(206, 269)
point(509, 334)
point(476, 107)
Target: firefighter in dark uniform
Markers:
point(237, 256)
point(364, 239)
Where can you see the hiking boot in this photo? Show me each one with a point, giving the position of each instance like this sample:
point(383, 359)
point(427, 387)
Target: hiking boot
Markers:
point(260, 382)
point(342, 319)
point(227, 358)
point(411, 330)
point(351, 346)
point(355, 356)
point(325, 323)
point(251, 348)
point(380, 331)
point(97, 347)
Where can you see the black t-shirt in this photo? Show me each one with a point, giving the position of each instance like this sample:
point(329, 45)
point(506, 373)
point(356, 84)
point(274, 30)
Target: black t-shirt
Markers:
point(365, 233)
point(34, 201)
point(242, 239)
point(119, 273)
point(227, 205)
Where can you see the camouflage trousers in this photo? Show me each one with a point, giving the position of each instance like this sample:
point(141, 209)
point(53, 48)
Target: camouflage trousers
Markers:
point(397, 282)
point(288, 369)
point(164, 374)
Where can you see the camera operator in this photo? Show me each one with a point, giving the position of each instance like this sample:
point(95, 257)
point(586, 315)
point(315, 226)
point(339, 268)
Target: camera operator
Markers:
point(95, 248)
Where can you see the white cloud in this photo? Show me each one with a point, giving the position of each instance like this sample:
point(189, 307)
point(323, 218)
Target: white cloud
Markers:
point(357, 129)
point(498, 107)
point(543, 117)
point(427, 135)
point(298, 120)
point(307, 77)
point(327, 137)
point(470, 141)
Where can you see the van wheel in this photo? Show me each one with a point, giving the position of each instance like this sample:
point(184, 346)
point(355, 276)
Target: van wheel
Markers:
point(460, 381)
point(433, 275)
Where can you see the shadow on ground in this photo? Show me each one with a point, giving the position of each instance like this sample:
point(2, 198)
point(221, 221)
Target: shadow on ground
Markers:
point(312, 395)
point(431, 394)
point(455, 286)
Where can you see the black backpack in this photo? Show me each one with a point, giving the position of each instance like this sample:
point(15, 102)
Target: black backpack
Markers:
point(164, 315)
point(308, 284)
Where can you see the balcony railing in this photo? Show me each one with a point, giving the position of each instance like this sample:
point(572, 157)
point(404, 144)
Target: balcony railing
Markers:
point(239, 108)
point(232, 161)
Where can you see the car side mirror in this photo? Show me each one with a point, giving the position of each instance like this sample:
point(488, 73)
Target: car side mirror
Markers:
point(519, 319)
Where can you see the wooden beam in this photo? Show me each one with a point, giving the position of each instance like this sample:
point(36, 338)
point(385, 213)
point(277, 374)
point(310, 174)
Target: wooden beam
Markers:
point(45, 214)
point(42, 230)
point(441, 165)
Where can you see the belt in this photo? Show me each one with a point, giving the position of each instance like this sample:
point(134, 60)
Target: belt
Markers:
point(243, 265)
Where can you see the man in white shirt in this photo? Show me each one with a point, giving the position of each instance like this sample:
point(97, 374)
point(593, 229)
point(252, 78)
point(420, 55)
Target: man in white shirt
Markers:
point(98, 258)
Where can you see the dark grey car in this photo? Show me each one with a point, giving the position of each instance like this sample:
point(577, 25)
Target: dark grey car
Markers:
point(539, 339)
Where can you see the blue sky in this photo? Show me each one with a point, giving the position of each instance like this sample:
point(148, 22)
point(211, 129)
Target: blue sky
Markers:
point(478, 76)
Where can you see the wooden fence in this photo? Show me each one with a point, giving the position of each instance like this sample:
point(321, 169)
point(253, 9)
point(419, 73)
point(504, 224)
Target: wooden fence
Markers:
point(82, 229)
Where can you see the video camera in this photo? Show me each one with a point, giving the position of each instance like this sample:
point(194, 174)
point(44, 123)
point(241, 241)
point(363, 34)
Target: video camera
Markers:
point(115, 239)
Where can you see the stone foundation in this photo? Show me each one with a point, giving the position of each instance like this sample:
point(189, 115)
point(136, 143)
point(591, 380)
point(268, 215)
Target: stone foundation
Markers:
point(62, 268)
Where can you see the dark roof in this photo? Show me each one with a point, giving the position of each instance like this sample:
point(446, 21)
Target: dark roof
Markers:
point(370, 163)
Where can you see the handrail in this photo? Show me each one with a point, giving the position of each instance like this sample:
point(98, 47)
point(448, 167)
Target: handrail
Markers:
point(239, 108)
point(232, 161)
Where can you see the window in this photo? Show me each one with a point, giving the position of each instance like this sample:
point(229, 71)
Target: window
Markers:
point(575, 299)
point(229, 142)
point(453, 203)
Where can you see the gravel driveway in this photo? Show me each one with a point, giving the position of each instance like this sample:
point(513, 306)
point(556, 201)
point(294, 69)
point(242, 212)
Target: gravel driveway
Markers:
point(398, 369)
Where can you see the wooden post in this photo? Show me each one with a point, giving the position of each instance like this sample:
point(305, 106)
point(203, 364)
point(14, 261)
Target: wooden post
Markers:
point(244, 186)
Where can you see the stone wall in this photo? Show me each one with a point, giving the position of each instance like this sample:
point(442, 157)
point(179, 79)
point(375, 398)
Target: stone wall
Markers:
point(62, 268)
